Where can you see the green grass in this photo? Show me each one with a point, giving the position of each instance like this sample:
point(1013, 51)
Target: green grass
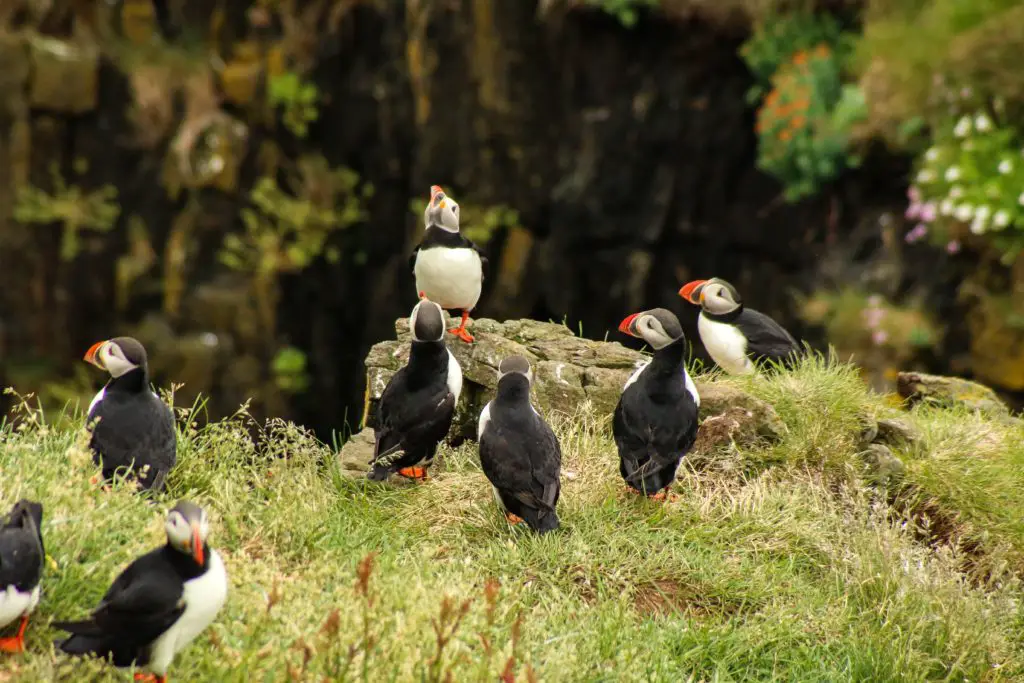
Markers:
point(773, 564)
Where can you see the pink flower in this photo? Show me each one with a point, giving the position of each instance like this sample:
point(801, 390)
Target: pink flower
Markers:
point(919, 231)
point(913, 194)
point(953, 247)
point(913, 211)
point(879, 337)
point(928, 212)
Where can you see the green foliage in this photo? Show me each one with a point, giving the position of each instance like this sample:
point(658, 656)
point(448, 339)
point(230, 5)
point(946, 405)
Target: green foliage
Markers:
point(626, 11)
point(477, 222)
point(298, 100)
point(804, 123)
point(970, 184)
point(286, 231)
point(289, 370)
point(70, 206)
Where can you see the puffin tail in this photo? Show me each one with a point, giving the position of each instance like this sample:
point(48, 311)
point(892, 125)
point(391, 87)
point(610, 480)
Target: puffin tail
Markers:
point(86, 638)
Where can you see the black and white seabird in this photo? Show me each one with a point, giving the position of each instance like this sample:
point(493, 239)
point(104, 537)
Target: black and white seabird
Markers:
point(21, 566)
point(737, 338)
point(655, 421)
point(449, 268)
point(134, 429)
point(519, 452)
point(416, 409)
point(159, 603)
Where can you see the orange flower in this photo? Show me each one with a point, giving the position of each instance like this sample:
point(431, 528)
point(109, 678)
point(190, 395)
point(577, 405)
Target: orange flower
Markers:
point(800, 57)
point(799, 122)
point(822, 50)
point(785, 135)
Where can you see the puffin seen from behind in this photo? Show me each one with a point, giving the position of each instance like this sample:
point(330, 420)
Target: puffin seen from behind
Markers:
point(519, 452)
point(133, 429)
point(21, 567)
point(448, 266)
point(737, 338)
point(655, 421)
point(416, 409)
point(159, 603)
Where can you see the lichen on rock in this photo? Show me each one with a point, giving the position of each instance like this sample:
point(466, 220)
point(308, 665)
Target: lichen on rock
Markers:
point(950, 391)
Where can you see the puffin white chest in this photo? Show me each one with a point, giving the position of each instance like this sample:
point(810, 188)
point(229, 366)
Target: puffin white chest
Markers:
point(454, 376)
point(725, 344)
point(449, 277)
point(14, 603)
point(204, 597)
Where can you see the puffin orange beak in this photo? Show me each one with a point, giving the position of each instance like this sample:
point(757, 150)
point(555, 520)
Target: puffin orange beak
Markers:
point(626, 326)
point(434, 191)
point(197, 545)
point(90, 355)
point(691, 290)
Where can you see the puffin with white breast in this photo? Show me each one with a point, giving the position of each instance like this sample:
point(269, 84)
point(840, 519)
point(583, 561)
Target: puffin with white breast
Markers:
point(21, 567)
point(737, 338)
point(416, 408)
point(159, 603)
point(519, 453)
point(655, 421)
point(449, 268)
point(132, 429)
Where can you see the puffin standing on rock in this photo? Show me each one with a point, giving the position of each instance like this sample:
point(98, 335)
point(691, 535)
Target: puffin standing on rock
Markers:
point(655, 421)
point(159, 603)
point(519, 452)
point(448, 267)
point(21, 567)
point(737, 338)
point(417, 406)
point(134, 429)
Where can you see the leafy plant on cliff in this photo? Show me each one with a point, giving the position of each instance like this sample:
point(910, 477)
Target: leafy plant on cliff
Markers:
point(776, 39)
point(297, 99)
point(70, 206)
point(626, 11)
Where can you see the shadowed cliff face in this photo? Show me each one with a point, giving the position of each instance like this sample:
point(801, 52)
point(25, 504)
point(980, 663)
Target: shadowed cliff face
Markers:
point(628, 153)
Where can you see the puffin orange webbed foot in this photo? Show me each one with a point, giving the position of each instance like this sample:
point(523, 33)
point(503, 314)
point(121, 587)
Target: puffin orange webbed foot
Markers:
point(413, 472)
point(462, 334)
point(15, 644)
point(150, 678)
point(513, 519)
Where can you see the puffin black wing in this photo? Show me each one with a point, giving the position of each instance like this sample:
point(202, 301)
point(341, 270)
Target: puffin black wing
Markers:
point(651, 439)
point(21, 547)
point(524, 469)
point(412, 258)
point(135, 428)
point(765, 337)
point(483, 258)
point(143, 602)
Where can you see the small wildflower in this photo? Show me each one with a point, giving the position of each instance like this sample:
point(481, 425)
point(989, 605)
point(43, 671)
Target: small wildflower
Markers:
point(964, 212)
point(978, 225)
point(947, 207)
point(925, 176)
point(963, 127)
point(1001, 219)
point(952, 174)
point(953, 247)
point(983, 123)
point(1020, 199)
point(879, 337)
point(913, 194)
point(927, 212)
point(983, 212)
point(932, 154)
point(919, 231)
point(956, 192)
point(1005, 166)
point(913, 211)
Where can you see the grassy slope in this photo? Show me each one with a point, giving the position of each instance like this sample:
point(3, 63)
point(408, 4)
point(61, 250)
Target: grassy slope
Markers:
point(773, 564)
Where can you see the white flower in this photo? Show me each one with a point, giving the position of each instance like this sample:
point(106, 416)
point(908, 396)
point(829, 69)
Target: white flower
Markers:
point(963, 127)
point(1005, 166)
point(1020, 199)
point(925, 176)
point(946, 207)
point(932, 154)
point(983, 212)
point(983, 123)
point(1002, 218)
point(977, 226)
point(952, 174)
point(964, 212)
point(956, 192)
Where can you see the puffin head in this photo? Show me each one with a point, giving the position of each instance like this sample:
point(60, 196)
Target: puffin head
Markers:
point(515, 365)
point(659, 327)
point(691, 291)
point(427, 321)
point(718, 297)
point(117, 356)
point(442, 211)
point(187, 528)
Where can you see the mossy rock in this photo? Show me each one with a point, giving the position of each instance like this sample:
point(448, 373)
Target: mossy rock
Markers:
point(65, 75)
point(949, 391)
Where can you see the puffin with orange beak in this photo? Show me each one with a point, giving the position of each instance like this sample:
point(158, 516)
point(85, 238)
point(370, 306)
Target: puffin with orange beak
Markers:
point(655, 421)
point(132, 429)
point(737, 338)
point(448, 266)
point(159, 603)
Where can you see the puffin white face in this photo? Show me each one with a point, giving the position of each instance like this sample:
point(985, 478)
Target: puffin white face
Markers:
point(117, 356)
point(515, 365)
point(442, 211)
point(427, 321)
point(659, 327)
point(187, 529)
point(718, 297)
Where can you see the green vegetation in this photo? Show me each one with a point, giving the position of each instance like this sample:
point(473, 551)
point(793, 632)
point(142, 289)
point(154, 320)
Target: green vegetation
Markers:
point(297, 99)
point(626, 11)
point(776, 563)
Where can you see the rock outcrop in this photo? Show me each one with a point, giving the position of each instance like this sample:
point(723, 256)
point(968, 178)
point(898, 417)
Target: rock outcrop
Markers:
point(950, 391)
point(569, 372)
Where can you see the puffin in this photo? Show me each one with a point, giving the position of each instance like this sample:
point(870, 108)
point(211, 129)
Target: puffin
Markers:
point(416, 409)
point(655, 420)
point(737, 338)
point(159, 603)
point(519, 453)
point(21, 566)
point(449, 268)
point(134, 429)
